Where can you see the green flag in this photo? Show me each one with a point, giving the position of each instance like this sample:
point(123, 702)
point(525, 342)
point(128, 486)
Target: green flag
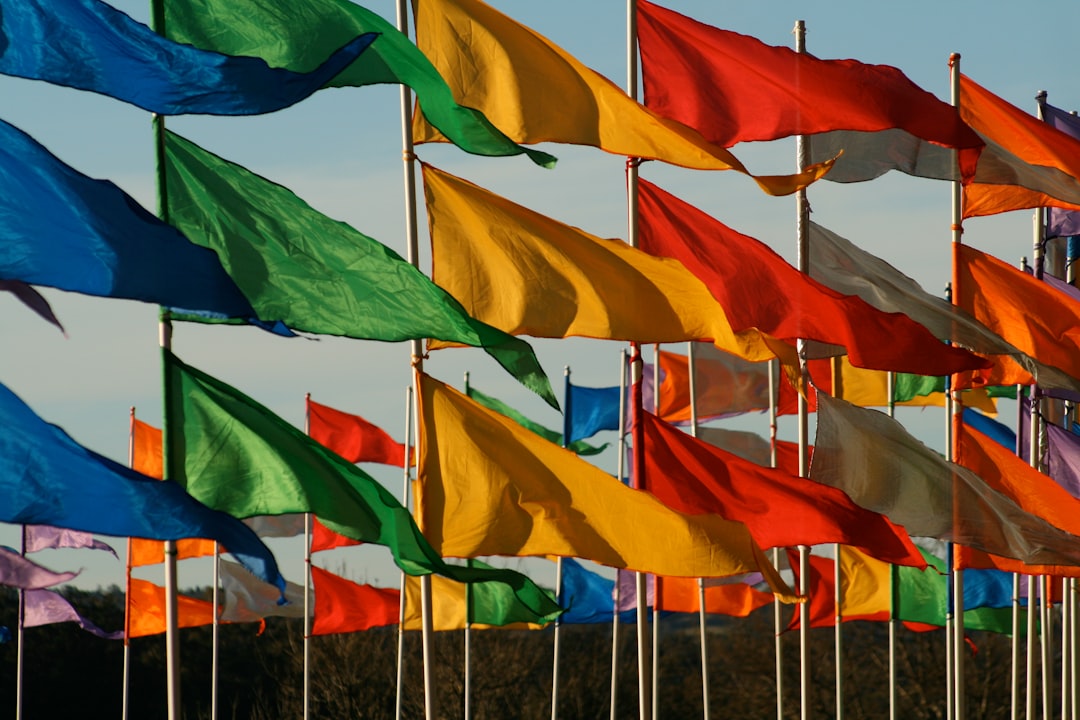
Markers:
point(908, 386)
point(234, 455)
point(492, 604)
point(316, 274)
point(579, 446)
point(300, 34)
point(923, 598)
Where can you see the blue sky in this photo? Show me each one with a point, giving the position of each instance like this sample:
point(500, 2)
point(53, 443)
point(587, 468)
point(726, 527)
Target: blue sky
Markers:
point(341, 151)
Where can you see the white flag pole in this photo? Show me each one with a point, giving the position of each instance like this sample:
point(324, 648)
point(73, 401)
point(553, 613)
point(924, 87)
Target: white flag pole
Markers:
point(307, 581)
point(702, 614)
point(838, 595)
point(657, 581)
point(19, 655)
point(567, 427)
point(778, 619)
point(127, 583)
point(894, 579)
point(620, 471)
point(215, 598)
point(417, 351)
point(802, 211)
point(399, 692)
point(644, 658)
point(956, 676)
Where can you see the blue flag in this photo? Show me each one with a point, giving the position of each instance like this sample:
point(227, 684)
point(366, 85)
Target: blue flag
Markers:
point(46, 478)
point(590, 410)
point(588, 597)
point(65, 230)
point(988, 589)
point(994, 430)
point(89, 45)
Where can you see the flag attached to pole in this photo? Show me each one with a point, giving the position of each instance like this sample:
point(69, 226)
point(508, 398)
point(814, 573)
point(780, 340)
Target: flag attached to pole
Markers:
point(536, 92)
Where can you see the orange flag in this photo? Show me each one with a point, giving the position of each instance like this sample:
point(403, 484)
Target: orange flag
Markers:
point(1027, 163)
point(736, 599)
point(146, 609)
point(1028, 313)
point(147, 459)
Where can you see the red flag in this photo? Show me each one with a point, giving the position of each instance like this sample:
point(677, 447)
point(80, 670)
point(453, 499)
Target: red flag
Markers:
point(856, 603)
point(733, 88)
point(759, 289)
point(352, 437)
point(780, 510)
point(323, 538)
point(342, 606)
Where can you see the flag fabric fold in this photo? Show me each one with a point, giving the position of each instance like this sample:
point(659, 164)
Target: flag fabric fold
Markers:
point(237, 456)
point(529, 274)
point(317, 274)
point(736, 268)
point(491, 403)
point(841, 265)
point(300, 35)
point(90, 45)
point(486, 486)
point(1028, 163)
point(19, 572)
point(45, 607)
point(352, 437)
point(733, 88)
point(883, 468)
point(779, 509)
point(49, 479)
point(488, 58)
point(65, 230)
point(724, 384)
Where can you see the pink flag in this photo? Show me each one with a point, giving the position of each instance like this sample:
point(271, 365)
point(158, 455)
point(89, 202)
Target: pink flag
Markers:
point(45, 607)
point(17, 571)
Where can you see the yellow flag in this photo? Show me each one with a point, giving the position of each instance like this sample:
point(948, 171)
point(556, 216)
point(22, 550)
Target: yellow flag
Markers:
point(535, 91)
point(869, 388)
point(528, 274)
point(487, 486)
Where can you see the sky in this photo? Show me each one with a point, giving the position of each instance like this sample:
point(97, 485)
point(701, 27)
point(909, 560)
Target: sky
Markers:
point(340, 150)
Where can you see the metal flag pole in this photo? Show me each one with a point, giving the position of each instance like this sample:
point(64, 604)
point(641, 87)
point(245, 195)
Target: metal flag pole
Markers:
point(620, 470)
point(127, 583)
point(802, 213)
point(644, 664)
point(894, 579)
point(172, 630)
point(778, 619)
point(657, 580)
point(567, 428)
point(307, 582)
point(702, 615)
point(417, 356)
point(468, 624)
point(838, 594)
point(399, 696)
point(20, 634)
point(215, 598)
point(956, 682)
point(1014, 708)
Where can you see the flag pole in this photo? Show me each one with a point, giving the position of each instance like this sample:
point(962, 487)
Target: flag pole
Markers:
point(307, 581)
point(417, 353)
point(802, 211)
point(567, 429)
point(951, 410)
point(215, 598)
point(620, 470)
point(644, 664)
point(399, 694)
point(19, 655)
point(127, 583)
point(1014, 712)
point(172, 630)
point(894, 577)
point(838, 595)
point(657, 581)
point(778, 620)
point(702, 616)
point(468, 621)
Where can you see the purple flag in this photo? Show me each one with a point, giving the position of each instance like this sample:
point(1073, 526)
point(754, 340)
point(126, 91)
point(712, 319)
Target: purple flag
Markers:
point(17, 571)
point(32, 299)
point(1062, 452)
point(45, 607)
point(44, 537)
point(628, 590)
point(1062, 223)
